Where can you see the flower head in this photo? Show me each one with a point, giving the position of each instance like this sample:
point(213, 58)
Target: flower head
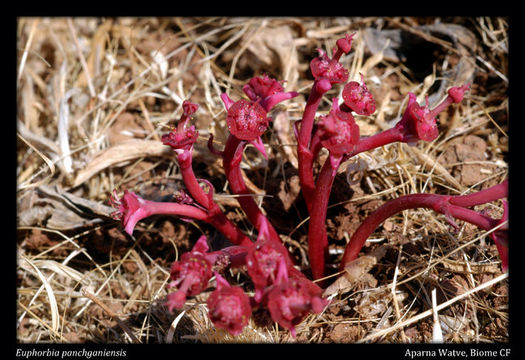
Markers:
point(189, 108)
point(262, 87)
point(182, 138)
point(129, 209)
point(262, 263)
point(267, 92)
point(190, 274)
point(292, 298)
point(345, 44)
point(456, 93)
point(229, 307)
point(331, 69)
point(417, 122)
point(358, 98)
point(338, 131)
point(247, 120)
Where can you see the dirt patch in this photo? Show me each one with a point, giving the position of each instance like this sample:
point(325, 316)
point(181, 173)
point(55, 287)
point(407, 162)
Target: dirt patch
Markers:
point(466, 158)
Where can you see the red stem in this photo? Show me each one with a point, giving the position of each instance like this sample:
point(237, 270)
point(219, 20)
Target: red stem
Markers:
point(216, 219)
point(317, 238)
point(307, 123)
point(304, 151)
point(234, 255)
point(191, 182)
point(306, 174)
point(307, 170)
point(484, 196)
point(232, 167)
point(438, 203)
point(380, 139)
point(214, 214)
point(440, 107)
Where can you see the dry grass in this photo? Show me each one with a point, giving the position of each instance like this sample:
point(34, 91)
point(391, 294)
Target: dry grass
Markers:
point(94, 97)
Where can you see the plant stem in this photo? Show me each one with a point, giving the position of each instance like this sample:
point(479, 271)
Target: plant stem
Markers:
point(232, 157)
point(438, 203)
point(319, 88)
point(483, 196)
point(380, 139)
point(304, 150)
point(191, 182)
point(307, 169)
point(214, 218)
point(317, 238)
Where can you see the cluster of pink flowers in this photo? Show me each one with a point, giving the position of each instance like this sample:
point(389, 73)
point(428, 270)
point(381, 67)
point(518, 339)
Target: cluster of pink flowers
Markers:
point(287, 293)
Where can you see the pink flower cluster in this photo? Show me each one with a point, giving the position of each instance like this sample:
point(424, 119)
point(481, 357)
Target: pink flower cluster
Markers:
point(287, 293)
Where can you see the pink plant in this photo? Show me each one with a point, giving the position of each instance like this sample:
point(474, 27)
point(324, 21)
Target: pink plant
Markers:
point(419, 123)
point(229, 307)
point(247, 120)
point(323, 67)
point(261, 263)
point(358, 98)
point(338, 131)
point(501, 237)
point(279, 285)
point(190, 274)
point(131, 208)
point(262, 260)
point(193, 271)
point(267, 91)
point(182, 138)
point(267, 94)
point(450, 206)
point(290, 299)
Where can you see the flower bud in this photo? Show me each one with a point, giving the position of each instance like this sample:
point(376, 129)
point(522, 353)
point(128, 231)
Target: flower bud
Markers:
point(331, 69)
point(357, 97)
point(181, 140)
point(292, 298)
point(416, 123)
point(338, 131)
point(229, 307)
point(247, 120)
point(190, 274)
point(262, 87)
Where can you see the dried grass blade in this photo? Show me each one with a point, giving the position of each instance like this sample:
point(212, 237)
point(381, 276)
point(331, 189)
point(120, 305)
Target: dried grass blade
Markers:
point(437, 334)
point(82, 59)
point(429, 312)
point(46, 325)
point(63, 133)
point(61, 269)
point(26, 50)
point(55, 318)
point(49, 163)
point(173, 326)
point(69, 272)
point(120, 153)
